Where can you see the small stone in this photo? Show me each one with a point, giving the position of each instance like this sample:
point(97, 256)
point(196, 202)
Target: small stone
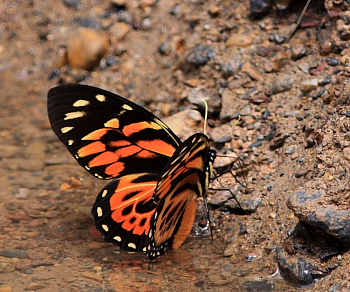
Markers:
point(92, 276)
point(13, 253)
point(71, 3)
point(5, 288)
point(192, 82)
point(253, 256)
point(346, 153)
point(33, 233)
point(6, 268)
point(9, 150)
point(23, 193)
point(259, 8)
point(282, 83)
point(273, 215)
point(239, 40)
point(298, 51)
point(119, 2)
point(308, 85)
point(118, 31)
point(87, 48)
point(200, 55)
point(34, 286)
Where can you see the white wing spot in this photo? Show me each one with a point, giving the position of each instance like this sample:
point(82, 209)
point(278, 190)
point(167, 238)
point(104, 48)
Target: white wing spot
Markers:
point(76, 156)
point(100, 97)
point(66, 129)
point(74, 115)
point(87, 168)
point(104, 193)
point(99, 211)
point(132, 245)
point(127, 107)
point(70, 142)
point(144, 249)
point(105, 227)
point(81, 102)
point(117, 238)
point(98, 176)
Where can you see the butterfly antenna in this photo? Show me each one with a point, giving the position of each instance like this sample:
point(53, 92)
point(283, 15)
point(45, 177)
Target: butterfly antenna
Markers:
point(229, 130)
point(205, 116)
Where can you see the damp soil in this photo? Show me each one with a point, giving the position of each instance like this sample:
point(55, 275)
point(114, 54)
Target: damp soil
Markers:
point(47, 238)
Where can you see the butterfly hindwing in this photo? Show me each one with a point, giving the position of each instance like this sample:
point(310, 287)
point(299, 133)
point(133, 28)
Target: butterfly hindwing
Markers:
point(107, 134)
point(124, 208)
point(185, 178)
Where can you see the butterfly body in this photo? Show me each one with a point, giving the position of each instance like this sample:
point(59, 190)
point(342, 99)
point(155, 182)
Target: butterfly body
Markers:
point(149, 205)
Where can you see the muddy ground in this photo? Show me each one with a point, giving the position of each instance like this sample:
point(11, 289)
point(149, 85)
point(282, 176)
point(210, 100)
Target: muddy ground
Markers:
point(292, 140)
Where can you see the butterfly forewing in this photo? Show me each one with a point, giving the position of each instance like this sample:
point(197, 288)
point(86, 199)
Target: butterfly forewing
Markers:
point(112, 137)
point(107, 134)
point(185, 178)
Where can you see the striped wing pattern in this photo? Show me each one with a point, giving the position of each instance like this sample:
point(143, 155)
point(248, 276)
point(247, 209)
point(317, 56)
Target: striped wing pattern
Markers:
point(149, 205)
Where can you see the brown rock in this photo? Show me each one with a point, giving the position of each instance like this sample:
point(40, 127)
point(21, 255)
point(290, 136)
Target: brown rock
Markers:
point(239, 40)
point(118, 31)
point(92, 276)
point(5, 288)
point(87, 48)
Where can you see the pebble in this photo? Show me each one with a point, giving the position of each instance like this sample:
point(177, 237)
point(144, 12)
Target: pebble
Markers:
point(200, 55)
point(34, 286)
point(298, 270)
point(231, 67)
point(239, 40)
point(259, 8)
point(346, 152)
point(298, 51)
point(273, 215)
point(253, 256)
point(263, 285)
point(308, 85)
point(9, 150)
point(118, 31)
point(13, 253)
point(23, 193)
point(5, 288)
point(87, 48)
point(6, 268)
point(282, 83)
point(92, 276)
point(88, 22)
point(71, 3)
point(119, 2)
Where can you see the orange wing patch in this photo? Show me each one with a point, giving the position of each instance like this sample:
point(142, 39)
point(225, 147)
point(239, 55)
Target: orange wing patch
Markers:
point(93, 148)
point(125, 201)
point(140, 126)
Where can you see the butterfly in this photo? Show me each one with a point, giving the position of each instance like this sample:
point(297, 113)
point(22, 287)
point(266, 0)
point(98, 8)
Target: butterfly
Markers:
point(150, 203)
